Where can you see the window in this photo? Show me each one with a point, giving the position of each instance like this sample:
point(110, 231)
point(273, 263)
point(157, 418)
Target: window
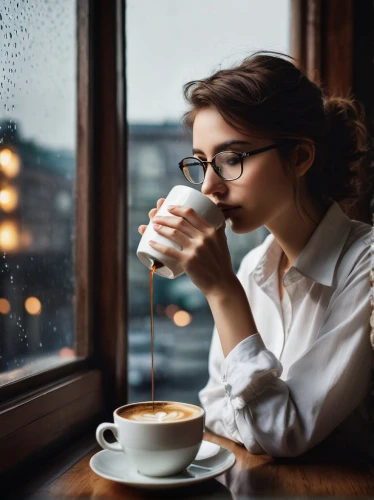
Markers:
point(38, 156)
point(52, 362)
point(171, 48)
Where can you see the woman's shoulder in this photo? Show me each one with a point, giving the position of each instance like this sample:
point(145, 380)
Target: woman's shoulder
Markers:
point(360, 233)
point(356, 256)
point(358, 242)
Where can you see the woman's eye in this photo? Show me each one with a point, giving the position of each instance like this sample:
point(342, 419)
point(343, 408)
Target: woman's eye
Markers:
point(234, 160)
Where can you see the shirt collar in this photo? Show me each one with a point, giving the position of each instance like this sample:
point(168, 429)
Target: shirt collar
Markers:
point(319, 257)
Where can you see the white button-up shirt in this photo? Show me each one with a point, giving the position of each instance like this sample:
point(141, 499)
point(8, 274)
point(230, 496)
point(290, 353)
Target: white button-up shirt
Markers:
point(307, 370)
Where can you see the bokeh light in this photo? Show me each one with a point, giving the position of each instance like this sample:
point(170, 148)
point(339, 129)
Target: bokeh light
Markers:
point(67, 352)
point(170, 310)
point(182, 318)
point(8, 199)
point(9, 236)
point(9, 163)
point(4, 306)
point(33, 306)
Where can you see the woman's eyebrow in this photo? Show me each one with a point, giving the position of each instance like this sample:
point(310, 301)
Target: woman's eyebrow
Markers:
point(221, 147)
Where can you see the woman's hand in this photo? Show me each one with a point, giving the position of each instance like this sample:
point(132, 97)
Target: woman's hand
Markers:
point(151, 214)
point(204, 257)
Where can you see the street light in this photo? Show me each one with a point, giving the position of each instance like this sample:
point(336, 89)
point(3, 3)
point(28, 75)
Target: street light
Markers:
point(9, 163)
point(8, 199)
point(9, 236)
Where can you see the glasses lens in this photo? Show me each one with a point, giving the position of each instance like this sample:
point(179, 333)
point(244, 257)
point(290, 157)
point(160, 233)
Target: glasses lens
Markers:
point(229, 165)
point(193, 170)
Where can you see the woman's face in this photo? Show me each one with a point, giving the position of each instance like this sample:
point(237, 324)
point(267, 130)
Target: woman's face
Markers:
point(261, 194)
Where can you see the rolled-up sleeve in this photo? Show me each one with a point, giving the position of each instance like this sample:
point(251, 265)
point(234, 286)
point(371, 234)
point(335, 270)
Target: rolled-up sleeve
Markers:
point(220, 417)
point(242, 384)
point(287, 417)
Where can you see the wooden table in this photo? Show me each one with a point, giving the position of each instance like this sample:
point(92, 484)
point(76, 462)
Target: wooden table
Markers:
point(316, 473)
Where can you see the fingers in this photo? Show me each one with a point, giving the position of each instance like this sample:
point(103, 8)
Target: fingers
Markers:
point(153, 212)
point(166, 250)
point(191, 216)
point(159, 203)
point(173, 228)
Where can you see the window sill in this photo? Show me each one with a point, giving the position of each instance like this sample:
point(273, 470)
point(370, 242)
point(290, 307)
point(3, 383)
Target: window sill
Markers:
point(51, 414)
point(44, 471)
point(34, 366)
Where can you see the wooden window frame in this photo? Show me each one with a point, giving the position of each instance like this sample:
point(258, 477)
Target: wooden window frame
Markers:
point(330, 40)
point(322, 41)
point(59, 404)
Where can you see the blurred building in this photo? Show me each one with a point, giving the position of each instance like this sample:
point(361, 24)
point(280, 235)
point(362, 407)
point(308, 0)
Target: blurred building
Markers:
point(37, 211)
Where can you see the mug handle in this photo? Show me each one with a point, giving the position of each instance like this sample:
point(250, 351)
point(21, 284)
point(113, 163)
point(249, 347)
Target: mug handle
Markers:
point(106, 426)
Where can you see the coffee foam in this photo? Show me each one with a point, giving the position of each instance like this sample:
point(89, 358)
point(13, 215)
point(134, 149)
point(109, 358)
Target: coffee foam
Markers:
point(162, 413)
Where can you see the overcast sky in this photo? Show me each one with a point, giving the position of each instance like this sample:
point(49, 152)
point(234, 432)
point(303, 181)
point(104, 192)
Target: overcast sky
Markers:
point(168, 43)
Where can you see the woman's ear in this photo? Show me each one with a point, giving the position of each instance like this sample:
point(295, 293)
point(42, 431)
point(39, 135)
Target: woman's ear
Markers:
point(302, 157)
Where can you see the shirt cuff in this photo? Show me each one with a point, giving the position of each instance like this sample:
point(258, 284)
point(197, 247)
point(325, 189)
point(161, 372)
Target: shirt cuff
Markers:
point(248, 370)
point(229, 420)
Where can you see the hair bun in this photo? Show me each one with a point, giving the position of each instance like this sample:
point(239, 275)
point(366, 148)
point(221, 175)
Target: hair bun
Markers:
point(347, 145)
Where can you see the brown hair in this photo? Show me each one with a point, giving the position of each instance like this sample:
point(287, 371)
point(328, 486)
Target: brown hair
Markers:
point(271, 94)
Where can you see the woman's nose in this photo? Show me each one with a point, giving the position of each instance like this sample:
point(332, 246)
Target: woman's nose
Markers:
point(212, 183)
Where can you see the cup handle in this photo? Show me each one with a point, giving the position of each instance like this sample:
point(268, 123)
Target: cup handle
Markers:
point(106, 426)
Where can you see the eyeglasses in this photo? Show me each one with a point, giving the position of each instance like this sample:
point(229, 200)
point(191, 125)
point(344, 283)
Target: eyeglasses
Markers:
point(226, 164)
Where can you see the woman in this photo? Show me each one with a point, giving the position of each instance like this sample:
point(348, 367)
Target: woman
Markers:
point(290, 357)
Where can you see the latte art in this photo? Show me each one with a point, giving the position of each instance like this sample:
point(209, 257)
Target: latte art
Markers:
point(159, 416)
point(162, 412)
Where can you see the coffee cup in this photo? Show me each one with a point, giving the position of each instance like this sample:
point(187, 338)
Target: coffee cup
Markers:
point(183, 196)
point(160, 441)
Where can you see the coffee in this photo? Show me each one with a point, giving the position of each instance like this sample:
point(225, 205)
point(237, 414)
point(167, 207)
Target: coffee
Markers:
point(159, 412)
point(155, 266)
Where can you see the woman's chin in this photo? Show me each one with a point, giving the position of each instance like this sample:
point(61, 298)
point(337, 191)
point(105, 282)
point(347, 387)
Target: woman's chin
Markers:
point(239, 227)
point(236, 227)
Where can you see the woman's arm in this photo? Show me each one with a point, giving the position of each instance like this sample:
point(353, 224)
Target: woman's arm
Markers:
point(232, 314)
point(324, 386)
point(214, 397)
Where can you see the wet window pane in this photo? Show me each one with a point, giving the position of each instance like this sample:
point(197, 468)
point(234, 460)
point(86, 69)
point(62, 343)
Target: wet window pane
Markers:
point(168, 44)
point(37, 175)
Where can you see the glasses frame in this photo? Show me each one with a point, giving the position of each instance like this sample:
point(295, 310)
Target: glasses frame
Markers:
point(204, 163)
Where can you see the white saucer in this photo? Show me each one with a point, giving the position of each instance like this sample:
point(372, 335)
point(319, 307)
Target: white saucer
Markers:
point(117, 467)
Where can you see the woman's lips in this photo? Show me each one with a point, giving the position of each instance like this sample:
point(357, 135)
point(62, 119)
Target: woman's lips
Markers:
point(229, 211)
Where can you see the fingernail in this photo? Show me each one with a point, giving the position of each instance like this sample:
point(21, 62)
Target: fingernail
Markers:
point(156, 218)
point(157, 226)
point(172, 206)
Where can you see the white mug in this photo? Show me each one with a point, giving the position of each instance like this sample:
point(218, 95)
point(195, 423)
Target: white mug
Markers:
point(156, 448)
point(183, 196)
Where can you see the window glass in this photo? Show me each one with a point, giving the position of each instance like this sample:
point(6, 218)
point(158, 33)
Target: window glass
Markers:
point(168, 44)
point(37, 179)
